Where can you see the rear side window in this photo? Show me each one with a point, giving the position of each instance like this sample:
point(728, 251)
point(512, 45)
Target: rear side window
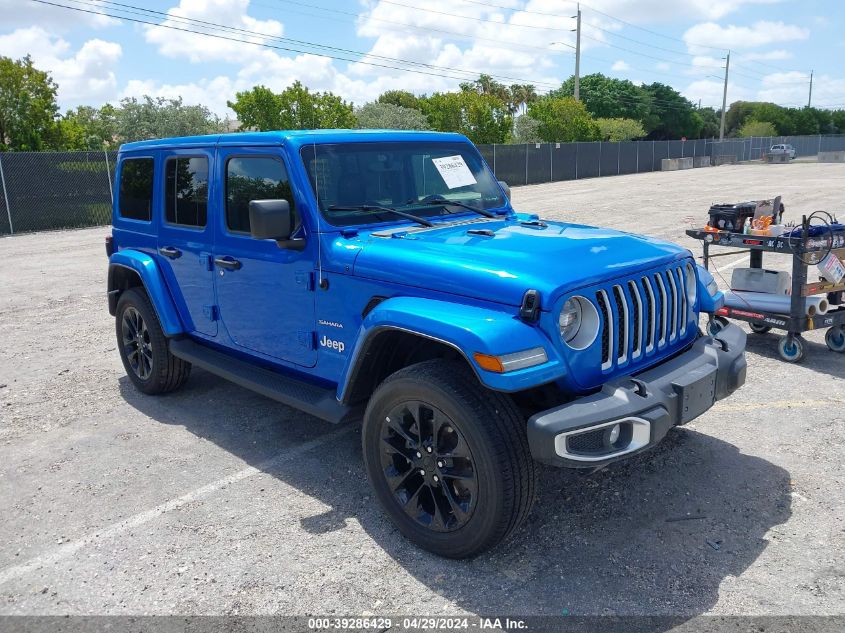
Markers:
point(136, 189)
point(186, 191)
point(253, 178)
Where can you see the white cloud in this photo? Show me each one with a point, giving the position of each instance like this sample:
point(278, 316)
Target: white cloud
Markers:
point(649, 11)
point(710, 92)
point(765, 56)
point(17, 13)
point(620, 66)
point(84, 76)
point(200, 48)
point(762, 33)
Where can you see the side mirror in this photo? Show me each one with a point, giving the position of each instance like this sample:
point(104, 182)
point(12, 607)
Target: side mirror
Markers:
point(506, 189)
point(270, 219)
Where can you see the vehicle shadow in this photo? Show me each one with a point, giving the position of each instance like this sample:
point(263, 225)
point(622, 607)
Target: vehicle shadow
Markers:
point(656, 535)
point(817, 357)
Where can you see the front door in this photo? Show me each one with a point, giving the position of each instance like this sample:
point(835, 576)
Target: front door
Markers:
point(265, 292)
point(185, 237)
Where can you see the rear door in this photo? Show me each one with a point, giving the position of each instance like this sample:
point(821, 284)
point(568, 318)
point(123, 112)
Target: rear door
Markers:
point(185, 236)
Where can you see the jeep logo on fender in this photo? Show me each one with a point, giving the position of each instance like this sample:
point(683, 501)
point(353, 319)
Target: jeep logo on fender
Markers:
point(338, 346)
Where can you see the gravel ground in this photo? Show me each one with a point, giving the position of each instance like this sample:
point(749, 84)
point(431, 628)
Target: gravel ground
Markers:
point(214, 500)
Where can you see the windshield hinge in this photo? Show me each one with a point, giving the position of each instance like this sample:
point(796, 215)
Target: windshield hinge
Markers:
point(530, 308)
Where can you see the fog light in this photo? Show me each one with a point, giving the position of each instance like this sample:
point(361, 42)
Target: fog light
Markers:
point(615, 430)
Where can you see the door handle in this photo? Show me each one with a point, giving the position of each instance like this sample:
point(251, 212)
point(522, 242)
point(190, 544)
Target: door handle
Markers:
point(227, 262)
point(171, 252)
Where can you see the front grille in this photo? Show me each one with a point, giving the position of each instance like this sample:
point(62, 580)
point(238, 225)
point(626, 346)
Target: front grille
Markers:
point(641, 315)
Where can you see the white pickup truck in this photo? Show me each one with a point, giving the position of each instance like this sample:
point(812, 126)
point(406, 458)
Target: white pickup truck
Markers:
point(782, 149)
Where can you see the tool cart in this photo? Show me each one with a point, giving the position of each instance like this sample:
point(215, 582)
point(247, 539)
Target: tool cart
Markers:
point(807, 245)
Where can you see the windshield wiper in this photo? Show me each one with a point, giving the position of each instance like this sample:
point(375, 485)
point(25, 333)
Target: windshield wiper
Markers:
point(372, 208)
point(441, 202)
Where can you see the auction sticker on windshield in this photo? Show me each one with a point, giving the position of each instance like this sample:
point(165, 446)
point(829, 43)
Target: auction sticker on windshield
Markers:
point(454, 171)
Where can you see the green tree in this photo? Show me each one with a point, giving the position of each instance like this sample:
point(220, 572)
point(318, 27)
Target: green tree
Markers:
point(837, 118)
point(757, 128)
point(620, 129)
point(391, 117)
point(672, 116)
point(161, 118)
point(606, 97)
point(258, 109)
point(481, 118)
point(526, 130)
point(711, 122)
point(90, 128)
point(563, 119)
point(28, 106)
point(401, 98)
point(295, 108)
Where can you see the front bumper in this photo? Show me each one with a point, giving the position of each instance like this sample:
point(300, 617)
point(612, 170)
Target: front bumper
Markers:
point(639, 410)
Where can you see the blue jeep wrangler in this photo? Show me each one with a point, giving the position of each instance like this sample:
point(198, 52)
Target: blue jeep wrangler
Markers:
point(385, 274)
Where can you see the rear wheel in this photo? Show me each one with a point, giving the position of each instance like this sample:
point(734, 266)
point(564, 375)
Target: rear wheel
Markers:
point(448, 460)
point(143, 346)
point(759, 328)
point(835, 339)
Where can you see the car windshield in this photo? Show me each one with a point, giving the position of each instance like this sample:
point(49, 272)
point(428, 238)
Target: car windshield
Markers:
point(422, 178)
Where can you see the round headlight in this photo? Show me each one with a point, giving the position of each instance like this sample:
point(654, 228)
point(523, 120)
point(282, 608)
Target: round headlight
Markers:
point(578, 322)
point(570, 319)
point(691, 284)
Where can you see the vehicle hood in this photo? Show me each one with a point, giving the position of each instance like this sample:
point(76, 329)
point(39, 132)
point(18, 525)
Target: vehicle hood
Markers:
point(553, 258)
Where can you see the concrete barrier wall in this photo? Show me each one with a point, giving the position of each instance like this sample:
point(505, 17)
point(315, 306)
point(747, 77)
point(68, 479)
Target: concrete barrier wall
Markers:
point(701, 161)
point(725, 159)
point(674, 164)
point(777, 158)
point(832, 157)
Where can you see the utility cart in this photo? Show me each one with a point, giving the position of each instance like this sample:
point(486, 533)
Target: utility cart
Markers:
point(807, 245)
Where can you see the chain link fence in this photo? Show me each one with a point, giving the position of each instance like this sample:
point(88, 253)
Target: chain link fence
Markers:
point(42, 191)
point(55, 190)
point(536, 163)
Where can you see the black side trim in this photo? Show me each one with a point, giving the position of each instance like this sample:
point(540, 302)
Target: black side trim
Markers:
point(315, 400)
point(372, 303)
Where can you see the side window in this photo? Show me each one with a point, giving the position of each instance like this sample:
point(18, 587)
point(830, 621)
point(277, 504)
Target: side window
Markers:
point(186, 191)
point(136, 189)
point(253, 178)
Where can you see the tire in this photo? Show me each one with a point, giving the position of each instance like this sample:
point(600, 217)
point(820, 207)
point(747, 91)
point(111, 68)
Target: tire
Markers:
point(834, 338)
point(467, 431)
point(791, 348)
point(759, 328)
point(143, 346)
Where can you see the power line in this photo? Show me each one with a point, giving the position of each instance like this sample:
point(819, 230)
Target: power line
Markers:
point(415, 27)
point(469, 17)
point(132, 10)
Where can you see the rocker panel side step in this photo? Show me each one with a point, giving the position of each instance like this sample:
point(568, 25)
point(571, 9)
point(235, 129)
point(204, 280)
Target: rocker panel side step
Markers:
point(309, 398)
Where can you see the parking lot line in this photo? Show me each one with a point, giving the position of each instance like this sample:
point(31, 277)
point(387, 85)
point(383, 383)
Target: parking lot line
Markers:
point(69, 549)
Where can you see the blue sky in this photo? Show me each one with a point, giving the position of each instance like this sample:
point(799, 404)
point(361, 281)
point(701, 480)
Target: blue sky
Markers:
point(97, 59)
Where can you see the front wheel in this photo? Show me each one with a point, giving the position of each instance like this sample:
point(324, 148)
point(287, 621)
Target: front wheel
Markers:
point(448, 460)
point(791, 348)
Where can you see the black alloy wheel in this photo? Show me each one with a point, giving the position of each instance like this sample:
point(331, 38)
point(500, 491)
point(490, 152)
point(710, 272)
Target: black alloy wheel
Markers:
point(429, 466)
point(137, 346)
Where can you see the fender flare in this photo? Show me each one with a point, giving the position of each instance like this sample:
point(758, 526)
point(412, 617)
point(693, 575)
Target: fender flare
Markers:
point(147, 270)
point(467, 329)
